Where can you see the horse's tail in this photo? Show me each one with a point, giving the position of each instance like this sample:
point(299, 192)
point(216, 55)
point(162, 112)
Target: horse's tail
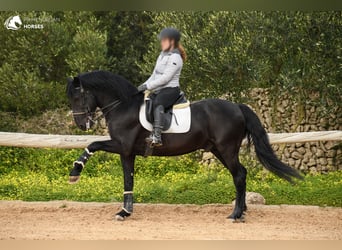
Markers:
point(257, 134)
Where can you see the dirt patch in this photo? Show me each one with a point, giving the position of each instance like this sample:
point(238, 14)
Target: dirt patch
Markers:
point(78, 220)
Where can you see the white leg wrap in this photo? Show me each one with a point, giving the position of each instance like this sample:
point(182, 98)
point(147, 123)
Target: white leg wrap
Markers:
point(124, 209)
point(79, 162)
point(88, 152)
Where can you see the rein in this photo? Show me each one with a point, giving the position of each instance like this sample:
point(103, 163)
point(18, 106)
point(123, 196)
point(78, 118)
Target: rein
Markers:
point(90, 114)
point(111, 105)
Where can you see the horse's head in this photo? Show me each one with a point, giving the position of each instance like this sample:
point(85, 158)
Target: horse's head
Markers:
point(83, 104)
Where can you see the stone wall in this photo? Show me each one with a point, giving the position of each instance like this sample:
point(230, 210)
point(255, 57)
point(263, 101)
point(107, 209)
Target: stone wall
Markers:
point(283, 114)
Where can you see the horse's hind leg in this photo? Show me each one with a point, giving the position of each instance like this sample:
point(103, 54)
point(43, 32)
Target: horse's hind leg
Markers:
point(230, 160)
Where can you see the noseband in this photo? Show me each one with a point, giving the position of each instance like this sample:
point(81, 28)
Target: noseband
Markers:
point(87, 111)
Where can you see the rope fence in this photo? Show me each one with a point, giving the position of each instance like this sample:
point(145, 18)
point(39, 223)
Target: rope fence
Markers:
point(81, 141)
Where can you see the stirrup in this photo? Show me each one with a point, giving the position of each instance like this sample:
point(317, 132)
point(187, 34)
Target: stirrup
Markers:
point(154, 141)
point(157, 142)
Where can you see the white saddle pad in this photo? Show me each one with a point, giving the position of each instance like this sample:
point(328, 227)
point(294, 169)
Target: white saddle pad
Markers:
point(181, 120)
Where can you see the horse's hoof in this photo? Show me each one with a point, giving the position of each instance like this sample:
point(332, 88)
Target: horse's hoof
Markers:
point(239, 220)
point(119, 217)
point(74, 179)
point(234, 219)
point(122, 215)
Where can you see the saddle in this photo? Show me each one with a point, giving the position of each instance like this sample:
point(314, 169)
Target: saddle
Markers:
point(180, 103)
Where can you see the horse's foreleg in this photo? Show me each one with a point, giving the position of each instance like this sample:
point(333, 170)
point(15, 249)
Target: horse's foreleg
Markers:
point(79, 165)
point(109, 146)
point(128, 169)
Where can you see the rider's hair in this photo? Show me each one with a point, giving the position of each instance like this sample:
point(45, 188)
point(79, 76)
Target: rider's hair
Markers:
point(182, 51)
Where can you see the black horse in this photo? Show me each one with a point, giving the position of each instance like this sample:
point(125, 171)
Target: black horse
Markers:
point(216, 125)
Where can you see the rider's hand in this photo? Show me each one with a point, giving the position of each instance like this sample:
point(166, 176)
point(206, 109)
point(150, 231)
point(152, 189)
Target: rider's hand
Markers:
point(142, 88)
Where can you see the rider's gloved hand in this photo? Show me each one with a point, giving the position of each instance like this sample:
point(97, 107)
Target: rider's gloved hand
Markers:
point(142, 88)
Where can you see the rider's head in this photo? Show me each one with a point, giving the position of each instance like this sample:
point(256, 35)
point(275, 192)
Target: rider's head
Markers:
point(169, 38)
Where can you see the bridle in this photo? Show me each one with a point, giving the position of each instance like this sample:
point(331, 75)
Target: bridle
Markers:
point(87, 111)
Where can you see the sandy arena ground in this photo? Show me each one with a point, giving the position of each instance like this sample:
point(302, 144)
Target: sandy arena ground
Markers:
point(78, 220)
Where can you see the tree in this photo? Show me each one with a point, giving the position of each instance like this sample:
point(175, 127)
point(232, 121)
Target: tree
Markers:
point(129, 36)
point(88, 49)
point(228, 52)
point(32, 66)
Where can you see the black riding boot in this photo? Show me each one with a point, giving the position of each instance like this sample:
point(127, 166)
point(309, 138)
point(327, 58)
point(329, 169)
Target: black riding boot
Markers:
point(154, 140)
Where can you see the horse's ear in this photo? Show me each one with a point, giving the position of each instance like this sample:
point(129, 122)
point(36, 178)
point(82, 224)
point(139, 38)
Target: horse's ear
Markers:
point(76, 82)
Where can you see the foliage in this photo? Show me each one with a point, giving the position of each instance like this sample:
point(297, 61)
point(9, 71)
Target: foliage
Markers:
point(229, 52)
point(42, 174)
point(129, 34)
point(87, 39)
point(31, 67)
point(34, 64)
point(234, 51)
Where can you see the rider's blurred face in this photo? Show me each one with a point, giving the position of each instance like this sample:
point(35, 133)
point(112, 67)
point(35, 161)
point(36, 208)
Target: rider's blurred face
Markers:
point(166, 44)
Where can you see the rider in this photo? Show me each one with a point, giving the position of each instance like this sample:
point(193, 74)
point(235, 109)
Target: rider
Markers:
point(164, 81)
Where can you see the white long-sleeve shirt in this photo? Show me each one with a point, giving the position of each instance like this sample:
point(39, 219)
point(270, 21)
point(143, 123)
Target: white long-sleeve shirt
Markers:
point(167, 71)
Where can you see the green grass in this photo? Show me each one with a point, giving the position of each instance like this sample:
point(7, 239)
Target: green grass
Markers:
point(42, 175)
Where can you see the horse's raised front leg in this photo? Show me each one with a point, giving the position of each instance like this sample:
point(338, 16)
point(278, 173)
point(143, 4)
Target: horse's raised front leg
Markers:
point(128, 169)
point(75, 173)
point(108, 146)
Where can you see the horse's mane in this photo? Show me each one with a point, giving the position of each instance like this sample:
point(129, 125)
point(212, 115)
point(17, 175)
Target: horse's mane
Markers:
point(106, 82)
